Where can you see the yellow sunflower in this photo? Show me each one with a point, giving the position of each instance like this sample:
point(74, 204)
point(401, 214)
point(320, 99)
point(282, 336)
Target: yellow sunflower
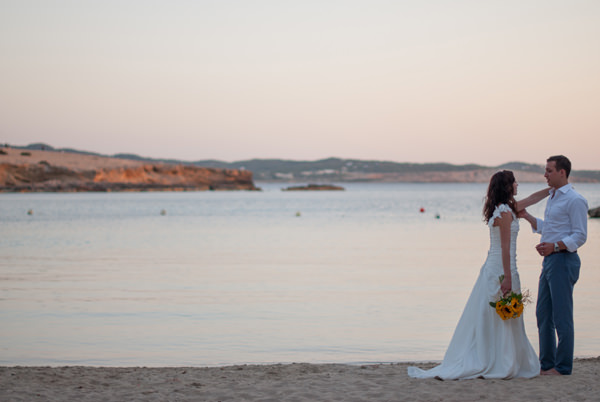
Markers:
point(518, 309)
point(499, 311)
point(507, 312)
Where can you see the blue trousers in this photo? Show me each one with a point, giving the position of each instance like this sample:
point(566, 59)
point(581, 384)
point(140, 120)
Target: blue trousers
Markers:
point(554, 311)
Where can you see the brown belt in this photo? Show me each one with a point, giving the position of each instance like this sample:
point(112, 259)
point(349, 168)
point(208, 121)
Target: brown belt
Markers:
point(563, 251)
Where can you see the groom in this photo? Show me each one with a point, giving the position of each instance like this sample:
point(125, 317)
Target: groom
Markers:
point(563, 230)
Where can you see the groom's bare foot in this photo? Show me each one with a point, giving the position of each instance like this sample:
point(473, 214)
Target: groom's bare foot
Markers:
point(552, 371)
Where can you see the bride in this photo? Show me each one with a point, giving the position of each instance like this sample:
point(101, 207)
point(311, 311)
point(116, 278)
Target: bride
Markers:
point(484, 345)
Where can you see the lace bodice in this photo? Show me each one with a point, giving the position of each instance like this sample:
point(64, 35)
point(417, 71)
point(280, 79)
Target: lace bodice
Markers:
point(495, 244)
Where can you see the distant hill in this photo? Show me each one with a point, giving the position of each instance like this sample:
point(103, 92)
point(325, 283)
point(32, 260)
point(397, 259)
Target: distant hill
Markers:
point(337, 169)
point(345, 170)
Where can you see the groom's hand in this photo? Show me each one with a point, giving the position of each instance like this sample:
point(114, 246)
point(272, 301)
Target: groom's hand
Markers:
point(528, 217)
point(544, 249)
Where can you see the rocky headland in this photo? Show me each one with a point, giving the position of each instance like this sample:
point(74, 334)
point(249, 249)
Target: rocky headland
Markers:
point(50, 171)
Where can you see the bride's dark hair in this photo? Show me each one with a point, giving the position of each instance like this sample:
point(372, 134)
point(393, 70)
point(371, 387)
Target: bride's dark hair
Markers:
point(500, 191)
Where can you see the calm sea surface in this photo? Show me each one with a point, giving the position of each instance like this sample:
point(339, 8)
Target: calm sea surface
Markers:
point(220, 278)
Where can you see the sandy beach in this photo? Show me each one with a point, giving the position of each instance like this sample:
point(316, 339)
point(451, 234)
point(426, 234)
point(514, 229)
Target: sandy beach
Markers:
point(284, 382)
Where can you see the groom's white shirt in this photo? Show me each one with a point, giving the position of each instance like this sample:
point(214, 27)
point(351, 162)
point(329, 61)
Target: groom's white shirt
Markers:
point(565, 218)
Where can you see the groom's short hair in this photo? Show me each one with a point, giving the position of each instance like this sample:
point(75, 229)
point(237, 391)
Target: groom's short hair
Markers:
point(562, 163)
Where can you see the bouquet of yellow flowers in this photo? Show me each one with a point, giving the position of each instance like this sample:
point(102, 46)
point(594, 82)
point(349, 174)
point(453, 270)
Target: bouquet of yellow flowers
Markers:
point(510, 306)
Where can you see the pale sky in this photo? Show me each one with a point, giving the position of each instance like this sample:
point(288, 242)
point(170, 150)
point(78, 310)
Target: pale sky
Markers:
point(459, 81)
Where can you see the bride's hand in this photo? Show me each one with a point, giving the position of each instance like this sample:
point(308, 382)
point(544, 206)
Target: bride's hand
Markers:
point(506, 285)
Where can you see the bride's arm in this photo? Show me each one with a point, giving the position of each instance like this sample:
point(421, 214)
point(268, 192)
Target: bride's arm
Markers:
point(504, 222)
point(532, 199)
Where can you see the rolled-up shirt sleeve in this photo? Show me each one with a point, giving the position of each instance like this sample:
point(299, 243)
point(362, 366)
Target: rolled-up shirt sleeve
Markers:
point(578, 216)
point(540, 225)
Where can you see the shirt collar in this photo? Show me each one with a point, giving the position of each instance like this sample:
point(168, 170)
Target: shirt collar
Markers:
point(564, 189)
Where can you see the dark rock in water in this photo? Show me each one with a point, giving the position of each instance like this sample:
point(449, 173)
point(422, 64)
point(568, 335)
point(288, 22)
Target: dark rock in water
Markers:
point(594, 212)
point(315, 187)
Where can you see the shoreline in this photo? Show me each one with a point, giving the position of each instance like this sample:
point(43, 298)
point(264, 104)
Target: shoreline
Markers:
point(276, 382)
point(409, 362)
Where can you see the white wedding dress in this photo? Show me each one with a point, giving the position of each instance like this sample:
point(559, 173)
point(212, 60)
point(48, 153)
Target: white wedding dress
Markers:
point(483, 345)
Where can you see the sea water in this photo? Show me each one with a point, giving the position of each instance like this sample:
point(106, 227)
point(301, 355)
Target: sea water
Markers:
point(376, 273)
